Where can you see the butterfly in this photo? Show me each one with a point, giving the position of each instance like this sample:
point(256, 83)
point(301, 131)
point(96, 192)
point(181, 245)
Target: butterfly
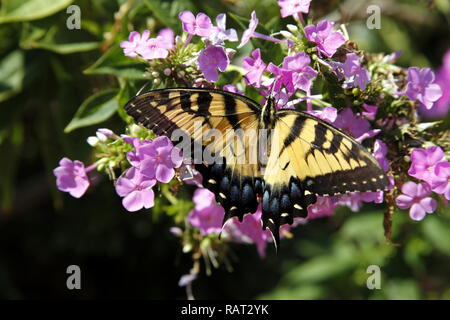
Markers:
point(298, 156)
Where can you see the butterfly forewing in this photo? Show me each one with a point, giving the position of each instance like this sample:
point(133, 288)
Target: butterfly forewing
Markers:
point(223, 123)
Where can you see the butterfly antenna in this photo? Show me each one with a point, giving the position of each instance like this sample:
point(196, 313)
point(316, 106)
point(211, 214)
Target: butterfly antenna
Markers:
point(272, 89)
point(275, 232)
point(142, 88)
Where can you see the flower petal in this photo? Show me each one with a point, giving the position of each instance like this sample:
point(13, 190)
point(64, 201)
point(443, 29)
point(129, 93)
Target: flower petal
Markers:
point(417, 212)
point(410, 188)
point(164, 174)
point(148, 197)
point(403, 201)
point(133, 201)
point(428, 204)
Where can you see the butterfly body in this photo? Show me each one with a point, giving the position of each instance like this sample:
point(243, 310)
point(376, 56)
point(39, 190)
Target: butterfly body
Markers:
point(281, 158)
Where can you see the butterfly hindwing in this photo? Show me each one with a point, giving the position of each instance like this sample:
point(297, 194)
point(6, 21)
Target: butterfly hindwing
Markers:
point(310, 157)
point(330, 161)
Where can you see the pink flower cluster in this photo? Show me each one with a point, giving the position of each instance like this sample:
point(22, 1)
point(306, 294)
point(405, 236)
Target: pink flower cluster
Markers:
point(215, 56)
point(293, 7)
point(152, 161)
point(442, 106)
point(421, 87)
point(207, 216)
point(326, 40)
point(352, 72)
point(148, 48)
point(430, 166)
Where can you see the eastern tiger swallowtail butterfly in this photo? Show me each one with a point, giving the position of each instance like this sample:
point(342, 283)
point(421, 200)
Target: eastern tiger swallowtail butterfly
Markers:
point(304, 156)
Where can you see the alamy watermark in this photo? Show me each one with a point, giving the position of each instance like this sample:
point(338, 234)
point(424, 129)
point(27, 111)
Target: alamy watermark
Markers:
point(73, 22)
point(74, 279)
point(374, 20)
point(374, 280)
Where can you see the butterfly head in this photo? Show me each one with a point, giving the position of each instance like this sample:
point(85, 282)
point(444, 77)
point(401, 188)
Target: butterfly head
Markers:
point(268, 111)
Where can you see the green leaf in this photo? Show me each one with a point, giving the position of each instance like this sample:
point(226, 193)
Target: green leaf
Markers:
point(67, 48)
point(47, 35)
point(437, 231)
point(124, 96)
point(399, 289)
point(25, 10)
point(115, 63)
point(167, 12)
point(323, 267)
point(12, 73)
point(95, 109)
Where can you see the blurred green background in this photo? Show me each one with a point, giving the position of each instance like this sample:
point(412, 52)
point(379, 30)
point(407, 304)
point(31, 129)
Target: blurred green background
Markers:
point(47, 71)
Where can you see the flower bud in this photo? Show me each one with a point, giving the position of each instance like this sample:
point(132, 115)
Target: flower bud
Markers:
point(286, 34)
point(167, 71)
point(292, 28)
point(155, 74)
point(92, 141)
point(103, 134)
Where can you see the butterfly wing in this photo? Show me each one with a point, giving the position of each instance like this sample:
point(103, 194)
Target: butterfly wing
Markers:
point(218, 129)
point(310, 157)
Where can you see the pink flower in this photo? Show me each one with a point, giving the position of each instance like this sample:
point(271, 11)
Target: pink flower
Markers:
point(421, 86)
point(156, 48)
point(207, 216)
point(71, 177)
point(423, 162)
point(221, 33)
point(138, 45)
point(136, 190)
point(281, 97)
point(135, 43)
point(190, 176)
point(167, 37)
point(231, 88)
point(200, 25)
point(295, 73)
point(211, 59)
point(249, 33)
point(441, 182)
point(293, 7)
point(354, 74)
point(323, 36)
point(142, 148)
point(160, 158)
point(371, 111)
point(354, 125)
point(328, 114)
point(415, 197)
point(380, 152)
point(250, 230)
point(255, 68)
point(442, 106)
point(324, 207)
